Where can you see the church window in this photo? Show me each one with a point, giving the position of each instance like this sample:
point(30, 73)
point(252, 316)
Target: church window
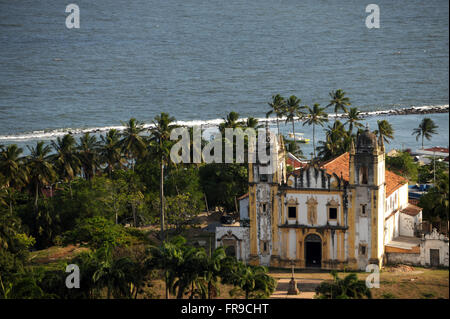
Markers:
point(363, 249)
point(363, 175)
point(263, 177)
point(292, 212)
point(332, 213)
point(264, 247)
point(264, 207)
point(332, 207)
point(363, 210)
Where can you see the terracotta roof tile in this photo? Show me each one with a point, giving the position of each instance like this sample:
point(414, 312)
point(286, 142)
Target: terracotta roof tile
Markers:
point(411, 210)
point(340, 165)
point(393, 182)
point(243, 196)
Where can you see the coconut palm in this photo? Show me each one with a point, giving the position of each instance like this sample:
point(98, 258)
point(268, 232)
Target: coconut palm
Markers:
point(66, 160)
point(133, 144)
point(15, 173)
point(110, 152)
point(337, 141)
point(41, 170)
point(231, 121)
point(385, 131)
point(253, 123)
point(88, 155)
point(339, 101)
point(160, 140)
point(12, 167)
point(425, 129)
point(277, 107)
point(292, 110)
point(315, 116)
point(353, 116)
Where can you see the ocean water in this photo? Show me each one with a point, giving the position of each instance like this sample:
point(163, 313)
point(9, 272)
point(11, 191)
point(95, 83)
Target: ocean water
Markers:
point(200, 59)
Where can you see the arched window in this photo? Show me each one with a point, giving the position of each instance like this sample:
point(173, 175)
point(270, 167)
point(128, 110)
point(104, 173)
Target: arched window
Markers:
point(363, 173)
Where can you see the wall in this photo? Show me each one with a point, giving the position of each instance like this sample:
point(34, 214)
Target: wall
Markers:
point(243, 208)
point(242, 234)
point(401, 258)
point(322, 209)
point(406, 225)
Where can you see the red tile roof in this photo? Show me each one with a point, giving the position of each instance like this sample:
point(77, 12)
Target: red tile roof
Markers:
point(411, 210)
point(340, 165)
point(294, 162)
point(437, 149)
point(243, 196)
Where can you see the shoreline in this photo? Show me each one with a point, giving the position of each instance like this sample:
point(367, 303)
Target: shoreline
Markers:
point(52, 134)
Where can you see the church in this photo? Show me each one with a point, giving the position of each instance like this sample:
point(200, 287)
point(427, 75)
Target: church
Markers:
point(337, 214)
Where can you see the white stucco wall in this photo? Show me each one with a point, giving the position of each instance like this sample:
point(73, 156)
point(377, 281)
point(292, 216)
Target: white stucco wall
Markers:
point(322, 209)
point(243, 208)
point(406, 225)
point(241, 233)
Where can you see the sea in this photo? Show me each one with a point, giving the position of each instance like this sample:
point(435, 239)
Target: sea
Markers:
point(200, 59)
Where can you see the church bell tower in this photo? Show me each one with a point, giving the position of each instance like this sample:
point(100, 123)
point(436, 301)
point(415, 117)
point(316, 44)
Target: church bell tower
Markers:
point(367, 184)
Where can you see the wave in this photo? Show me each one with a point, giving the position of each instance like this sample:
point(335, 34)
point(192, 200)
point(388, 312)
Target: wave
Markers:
point(52, 134)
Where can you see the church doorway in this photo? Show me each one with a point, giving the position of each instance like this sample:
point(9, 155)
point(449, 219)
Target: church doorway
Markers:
point(313, 251)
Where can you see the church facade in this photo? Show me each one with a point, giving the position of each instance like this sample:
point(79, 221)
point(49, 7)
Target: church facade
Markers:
point(332, 215)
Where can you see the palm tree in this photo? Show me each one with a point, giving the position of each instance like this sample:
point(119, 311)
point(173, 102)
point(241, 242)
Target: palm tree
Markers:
point(339, 101)
point(133, 144)
point(66, 160)
point(114, 274)
point(88, 155)
point(315, 116)
point(190, 271)
point(168, 257)
point(348, 288)
point(15, 173)
point(213, 270)
point(292, 110)
point(255, 279)
point(252, 123)
point(337, 141)
point(277, 107)
point(160, 139)
point(110, 152)
point(425, 129)
point(353, 119)
point(41, 170)
point(385, 131)
point(231, 121)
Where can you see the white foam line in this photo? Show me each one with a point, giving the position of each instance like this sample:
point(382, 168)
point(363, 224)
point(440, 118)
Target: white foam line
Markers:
point(41, 134)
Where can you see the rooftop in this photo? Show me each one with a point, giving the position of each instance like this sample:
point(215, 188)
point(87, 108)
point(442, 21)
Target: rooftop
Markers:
point(340, 166)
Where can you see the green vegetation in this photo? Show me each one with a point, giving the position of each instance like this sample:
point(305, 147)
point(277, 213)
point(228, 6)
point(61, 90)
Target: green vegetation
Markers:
point(348, 288)
point(96, 193)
